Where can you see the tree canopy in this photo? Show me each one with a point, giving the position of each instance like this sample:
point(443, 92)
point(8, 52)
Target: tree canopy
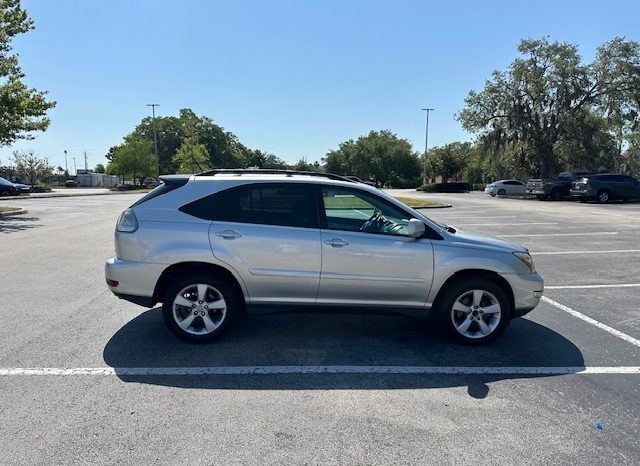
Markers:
point(133, 159)
point(380, 155)
point(32, 167)
point(22, 109)
point(548, 105)
point(189, 141)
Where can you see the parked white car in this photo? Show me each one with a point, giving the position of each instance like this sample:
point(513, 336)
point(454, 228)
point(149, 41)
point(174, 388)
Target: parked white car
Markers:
point(504, 187)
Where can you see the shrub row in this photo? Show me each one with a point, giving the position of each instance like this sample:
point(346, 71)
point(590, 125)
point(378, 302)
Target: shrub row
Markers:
point(446, 188)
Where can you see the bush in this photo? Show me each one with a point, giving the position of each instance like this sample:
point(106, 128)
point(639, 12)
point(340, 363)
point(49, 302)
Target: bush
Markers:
point(478, 186)
point(445, 188)
point(128, 187)
point(40, 188)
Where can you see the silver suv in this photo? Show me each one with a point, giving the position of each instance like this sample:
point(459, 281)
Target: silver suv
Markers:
point(227, 241)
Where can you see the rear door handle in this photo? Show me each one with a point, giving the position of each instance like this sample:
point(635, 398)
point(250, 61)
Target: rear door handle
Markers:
point(228, 234)
point(336, 242)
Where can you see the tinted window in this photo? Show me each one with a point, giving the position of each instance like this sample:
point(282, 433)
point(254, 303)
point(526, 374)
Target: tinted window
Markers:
point(208, 208)
point(290, 205)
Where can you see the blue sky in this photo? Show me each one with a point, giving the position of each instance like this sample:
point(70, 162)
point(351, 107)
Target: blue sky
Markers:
point(294, 78)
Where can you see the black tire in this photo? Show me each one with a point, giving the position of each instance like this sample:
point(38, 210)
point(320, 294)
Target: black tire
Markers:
point(216, 288)
point(556, 194)
point(603, 197)
point(448, 317)
point(541, 197)
point(501, 192)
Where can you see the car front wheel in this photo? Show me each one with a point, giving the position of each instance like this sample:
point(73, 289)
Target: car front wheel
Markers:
point(199, 308)
point(475, 312)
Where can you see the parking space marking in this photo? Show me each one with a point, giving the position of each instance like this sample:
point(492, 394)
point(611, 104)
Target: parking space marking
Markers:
point(600, 325)
point(586, 287)
point(283, 370)
point(602, 251)
point(599, 233)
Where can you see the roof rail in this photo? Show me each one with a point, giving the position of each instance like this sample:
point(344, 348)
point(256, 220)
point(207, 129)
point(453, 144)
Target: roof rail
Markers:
point(261, 171)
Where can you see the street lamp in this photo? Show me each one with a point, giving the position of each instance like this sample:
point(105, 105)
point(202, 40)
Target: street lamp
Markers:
point(155, 138)
point(426, 145)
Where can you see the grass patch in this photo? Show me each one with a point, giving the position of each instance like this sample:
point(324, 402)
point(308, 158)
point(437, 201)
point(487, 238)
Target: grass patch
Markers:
point(4, 209)
point(418, 203)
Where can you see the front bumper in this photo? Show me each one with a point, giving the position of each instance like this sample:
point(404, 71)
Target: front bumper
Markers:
point(527, 291)
point(136, 281)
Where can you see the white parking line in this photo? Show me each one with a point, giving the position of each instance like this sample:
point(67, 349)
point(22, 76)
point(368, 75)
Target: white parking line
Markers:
point(600, 325)
point(585, 287)
point(603, 251)
point(278, 370)
point(600, 233)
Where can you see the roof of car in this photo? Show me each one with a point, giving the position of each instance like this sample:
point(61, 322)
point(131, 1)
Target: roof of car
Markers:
point(270, 172)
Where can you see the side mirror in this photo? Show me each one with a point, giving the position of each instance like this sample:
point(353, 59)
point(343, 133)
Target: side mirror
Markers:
point(416, 228)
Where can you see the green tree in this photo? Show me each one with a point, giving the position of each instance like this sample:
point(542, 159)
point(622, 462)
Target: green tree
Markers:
point(449, 160)
point(544, 95)
point(192, 158)
point(258, 159)
point(134, 158)
point(30, 166)
point(22, 109)
point(380, 155)
point(99, 168)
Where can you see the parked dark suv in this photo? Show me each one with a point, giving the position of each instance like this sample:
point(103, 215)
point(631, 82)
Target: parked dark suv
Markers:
point(605, 187)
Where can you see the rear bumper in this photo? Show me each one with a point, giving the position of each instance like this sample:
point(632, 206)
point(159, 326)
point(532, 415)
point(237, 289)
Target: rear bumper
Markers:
point(136, 281)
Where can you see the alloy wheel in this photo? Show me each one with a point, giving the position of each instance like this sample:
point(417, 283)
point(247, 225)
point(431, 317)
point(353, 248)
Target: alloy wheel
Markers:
point(476, 314)
point(199, 309)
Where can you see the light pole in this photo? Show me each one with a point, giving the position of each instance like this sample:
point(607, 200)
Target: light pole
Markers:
point(75, 168)
point(426, 145)
point(66, 168)
point(155, 138)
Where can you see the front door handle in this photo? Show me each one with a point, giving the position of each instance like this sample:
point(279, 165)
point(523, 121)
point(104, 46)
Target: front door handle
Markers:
point(228, 234)
point(336, 242)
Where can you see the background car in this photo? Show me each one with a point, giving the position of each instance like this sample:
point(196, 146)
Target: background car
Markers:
point(7, 188)
point(504, 187)
point(22, 188)
point(605, 187)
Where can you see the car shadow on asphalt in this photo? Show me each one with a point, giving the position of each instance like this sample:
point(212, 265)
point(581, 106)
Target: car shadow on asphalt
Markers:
point(315, 339)
point(11, 224)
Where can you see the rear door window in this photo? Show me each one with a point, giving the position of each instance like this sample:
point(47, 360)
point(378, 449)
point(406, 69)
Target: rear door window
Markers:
point(291, 205)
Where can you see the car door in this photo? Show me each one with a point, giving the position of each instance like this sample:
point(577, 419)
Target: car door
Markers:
point(269, 234)
point(516, 187)
point(368, 259)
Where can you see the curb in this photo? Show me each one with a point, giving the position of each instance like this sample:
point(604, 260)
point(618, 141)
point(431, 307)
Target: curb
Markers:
point(444, 206)
point(47, 196)
point(13, 212)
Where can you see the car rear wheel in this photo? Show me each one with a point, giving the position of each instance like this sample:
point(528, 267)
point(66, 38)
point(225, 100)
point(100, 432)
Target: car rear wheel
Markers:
point(198, 308)
point(475, 311)
point(603, 197)
point(501, 192)
point(5, 193)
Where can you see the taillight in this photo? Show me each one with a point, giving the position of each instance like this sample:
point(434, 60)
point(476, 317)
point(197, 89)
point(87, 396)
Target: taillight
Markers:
point(127, 222)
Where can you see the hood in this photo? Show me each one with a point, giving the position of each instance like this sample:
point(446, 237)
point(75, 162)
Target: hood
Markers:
point(462, 238)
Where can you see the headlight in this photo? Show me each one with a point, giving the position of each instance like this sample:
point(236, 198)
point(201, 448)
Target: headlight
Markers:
point(127, 222)
point(526, 259)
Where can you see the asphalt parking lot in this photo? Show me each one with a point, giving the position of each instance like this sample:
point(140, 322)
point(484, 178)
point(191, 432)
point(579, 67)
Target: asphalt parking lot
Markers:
point(87, 378)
